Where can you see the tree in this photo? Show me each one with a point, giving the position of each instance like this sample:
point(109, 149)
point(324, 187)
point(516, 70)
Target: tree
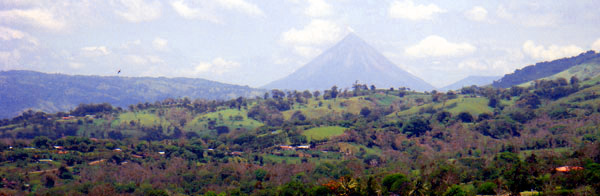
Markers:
point(41, 142)
point(517, 178)
point(465, 117)
point(365, 111)
point(493, 102)
point(316, 94)
point(396, 183)
point(416, 127)
point(455, 190)
point(487, 188)
point(298, 117)
point(334, 91)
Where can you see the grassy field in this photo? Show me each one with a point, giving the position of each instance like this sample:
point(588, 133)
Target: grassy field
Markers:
point(473, 105)
point(355, 148)
point(144, 118)
point(321, 108)
point(323, 132)
point(225, 117)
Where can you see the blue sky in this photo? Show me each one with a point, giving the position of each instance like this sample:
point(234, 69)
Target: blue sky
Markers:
point(253, 42)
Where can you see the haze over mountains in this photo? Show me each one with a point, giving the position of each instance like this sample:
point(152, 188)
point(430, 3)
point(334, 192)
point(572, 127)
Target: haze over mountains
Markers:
point(22, 90)
point(350, 60)
point(471, 80)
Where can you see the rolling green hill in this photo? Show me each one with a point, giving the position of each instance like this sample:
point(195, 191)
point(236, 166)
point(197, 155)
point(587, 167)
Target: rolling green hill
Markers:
point(582, 71)
point(546, 69)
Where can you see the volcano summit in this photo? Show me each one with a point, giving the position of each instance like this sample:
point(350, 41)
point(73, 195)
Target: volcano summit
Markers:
point(349, 60)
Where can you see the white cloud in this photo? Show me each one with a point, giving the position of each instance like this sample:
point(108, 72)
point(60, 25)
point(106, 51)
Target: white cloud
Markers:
point(436, 46)
point(187, 12)
point(34, 17)
point(477, 13)
point(472, 65)
point(75, 65)
point(160, 44)
point(306, 41)
point(242, 6)
point(552, 52)
point(528, 15)
point(596, 45)
point(130, 44)
point(315, 33)
point(318, 8)
point(135, 59)
point(94, 51)
point(10, 34)
point(155, 59)
point(139, 10)
point(407, 9)
point(307, 51)
point(217, 66)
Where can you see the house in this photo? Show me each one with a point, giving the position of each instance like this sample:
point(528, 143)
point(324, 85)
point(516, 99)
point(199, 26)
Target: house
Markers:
point(303, 147)
point(568, 168)
point(117, 150)
point(58, 147)
point(97, 162)
point(236, 153)
point(161, 152)
point(286, 147)
point(68, 117)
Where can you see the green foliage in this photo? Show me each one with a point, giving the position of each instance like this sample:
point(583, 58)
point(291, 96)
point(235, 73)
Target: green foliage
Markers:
point(455, 190)
point(416, 127)
point(396, 183)
point(487, 188)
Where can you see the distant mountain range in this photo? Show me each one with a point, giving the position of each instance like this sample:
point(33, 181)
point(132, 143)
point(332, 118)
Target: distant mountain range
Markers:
point(350, 60)
point(546, 69)
point(22, 90)
point(469, 81)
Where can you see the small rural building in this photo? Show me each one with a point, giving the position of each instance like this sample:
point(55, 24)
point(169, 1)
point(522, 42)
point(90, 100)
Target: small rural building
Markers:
point(568, 168)
point(286, 147)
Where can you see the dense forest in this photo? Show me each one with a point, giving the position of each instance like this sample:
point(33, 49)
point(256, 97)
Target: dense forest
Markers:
point(542, 139)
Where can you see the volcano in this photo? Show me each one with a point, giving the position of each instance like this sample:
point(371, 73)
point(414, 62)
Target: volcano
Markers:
point(350, 60)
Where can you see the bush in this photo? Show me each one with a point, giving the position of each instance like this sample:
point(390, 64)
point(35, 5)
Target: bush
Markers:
point(416, 127)
point(465, 117)
point(487, 188)
point(455, 190)
point(396, 183)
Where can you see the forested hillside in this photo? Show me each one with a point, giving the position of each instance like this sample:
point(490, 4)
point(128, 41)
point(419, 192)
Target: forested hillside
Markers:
point(22, 90)
point(365, 141)
point(546, 69)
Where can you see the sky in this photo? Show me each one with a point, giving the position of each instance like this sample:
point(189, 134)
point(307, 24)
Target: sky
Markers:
point(254, 42)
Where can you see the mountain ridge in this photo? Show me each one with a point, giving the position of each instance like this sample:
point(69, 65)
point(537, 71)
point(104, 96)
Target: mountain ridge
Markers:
point(545, 69)
point(470, 80)
point(24, 89)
